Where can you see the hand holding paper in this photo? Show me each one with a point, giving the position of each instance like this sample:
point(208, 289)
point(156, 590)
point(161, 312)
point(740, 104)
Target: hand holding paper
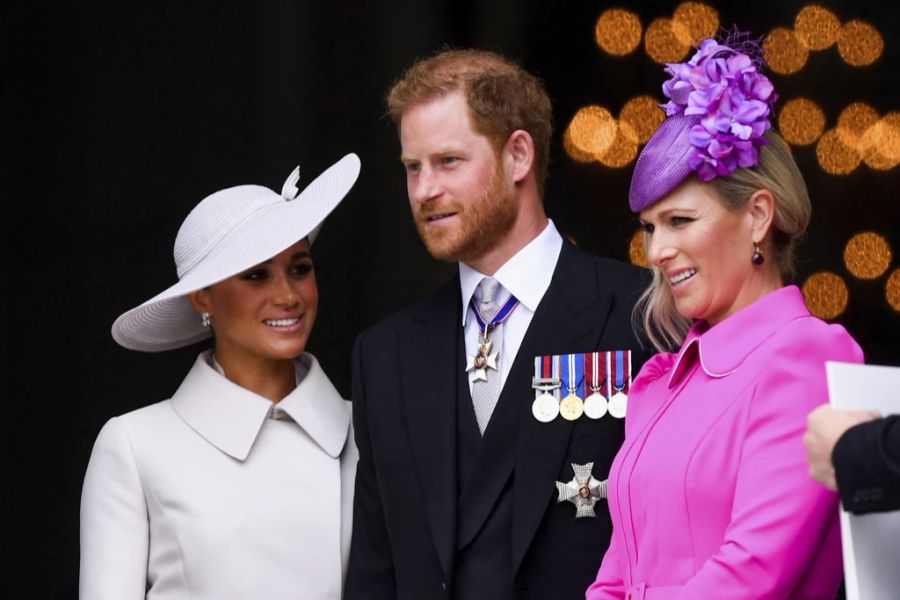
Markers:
point(824, 427)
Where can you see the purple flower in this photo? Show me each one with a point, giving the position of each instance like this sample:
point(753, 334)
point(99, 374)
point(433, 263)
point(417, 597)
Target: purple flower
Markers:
point(724, 87)
point(677, 90)
point(704, 165)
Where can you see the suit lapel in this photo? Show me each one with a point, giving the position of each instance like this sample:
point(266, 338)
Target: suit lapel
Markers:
point(428, 393)
point(570, 318)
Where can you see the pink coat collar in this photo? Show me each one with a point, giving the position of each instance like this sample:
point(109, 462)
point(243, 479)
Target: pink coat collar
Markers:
point(721, 349)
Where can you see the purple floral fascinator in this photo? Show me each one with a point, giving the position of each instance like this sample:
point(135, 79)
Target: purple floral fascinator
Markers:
point(718, 112)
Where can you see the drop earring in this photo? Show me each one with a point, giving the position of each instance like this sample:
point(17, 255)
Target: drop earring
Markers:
point(757, 258)
point(204, 319)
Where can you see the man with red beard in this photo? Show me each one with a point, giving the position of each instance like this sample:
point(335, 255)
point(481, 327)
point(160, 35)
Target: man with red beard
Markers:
point(456, 493)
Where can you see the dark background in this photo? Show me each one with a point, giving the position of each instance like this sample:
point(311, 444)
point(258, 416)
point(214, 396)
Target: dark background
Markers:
point(119, 116)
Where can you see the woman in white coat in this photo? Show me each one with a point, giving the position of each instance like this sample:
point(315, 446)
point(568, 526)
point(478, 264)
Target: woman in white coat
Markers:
point(240, 486)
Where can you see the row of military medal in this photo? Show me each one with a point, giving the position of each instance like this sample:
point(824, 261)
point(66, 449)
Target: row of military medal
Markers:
point(562, 382)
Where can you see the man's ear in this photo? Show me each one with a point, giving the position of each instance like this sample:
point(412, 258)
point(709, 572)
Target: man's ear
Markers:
point(519, 154)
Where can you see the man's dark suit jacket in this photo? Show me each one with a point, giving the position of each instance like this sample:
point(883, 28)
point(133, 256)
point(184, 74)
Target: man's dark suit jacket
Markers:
point(867, 465)
point(409, 513)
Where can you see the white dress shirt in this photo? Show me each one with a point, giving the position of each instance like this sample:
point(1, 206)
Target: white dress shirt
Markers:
point(526, 276)
point(218, 493)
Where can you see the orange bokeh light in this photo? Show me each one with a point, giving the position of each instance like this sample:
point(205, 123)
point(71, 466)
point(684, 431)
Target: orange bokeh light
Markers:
point(694, 22)
point(590, 132)
point(784, 52)
point(853, 123)
point(826, 295)
point(834, 155)
point(892, 290)
point(662, 42)
point(620, 153)
point(801, 121)
point(867, 255)
point(618, 31)
point(859, 43)
point(636, 252)
point(640, 117)
point(817, 27)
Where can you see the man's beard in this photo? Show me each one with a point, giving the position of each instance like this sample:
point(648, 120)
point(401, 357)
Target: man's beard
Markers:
point(482, 224)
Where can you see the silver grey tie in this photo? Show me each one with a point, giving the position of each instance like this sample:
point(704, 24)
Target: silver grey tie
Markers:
point(486, 393)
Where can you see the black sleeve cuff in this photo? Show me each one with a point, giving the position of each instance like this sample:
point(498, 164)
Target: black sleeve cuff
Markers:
point(867, 466)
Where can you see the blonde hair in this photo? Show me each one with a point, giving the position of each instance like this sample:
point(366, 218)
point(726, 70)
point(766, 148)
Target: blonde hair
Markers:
point(776, 172)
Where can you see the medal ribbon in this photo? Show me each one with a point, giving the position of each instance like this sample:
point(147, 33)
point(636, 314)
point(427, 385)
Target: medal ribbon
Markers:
point(628, 361)
point(595, 364)
point(620, 370)
point(501, 315)
point(573, 375)
point(555, 374)
point(546, 369)
point(609, 391)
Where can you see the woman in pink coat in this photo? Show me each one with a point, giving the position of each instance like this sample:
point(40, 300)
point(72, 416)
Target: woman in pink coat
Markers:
point(710, 495)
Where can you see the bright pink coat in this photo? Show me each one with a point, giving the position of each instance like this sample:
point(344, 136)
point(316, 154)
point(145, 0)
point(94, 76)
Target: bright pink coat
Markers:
point(710, 495)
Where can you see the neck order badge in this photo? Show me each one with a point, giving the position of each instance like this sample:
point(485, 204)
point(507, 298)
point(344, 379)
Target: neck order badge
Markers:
point(486, 357)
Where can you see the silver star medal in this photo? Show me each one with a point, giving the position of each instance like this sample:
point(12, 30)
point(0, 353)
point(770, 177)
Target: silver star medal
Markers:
point(483, 360)
point(583, 491)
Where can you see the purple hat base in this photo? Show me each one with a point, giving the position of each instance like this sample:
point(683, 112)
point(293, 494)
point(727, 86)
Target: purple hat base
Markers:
point(663, 163)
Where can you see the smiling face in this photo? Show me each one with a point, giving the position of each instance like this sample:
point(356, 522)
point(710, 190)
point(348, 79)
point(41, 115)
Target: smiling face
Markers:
point(703, 251)
point(265, 313)
point(463, 203)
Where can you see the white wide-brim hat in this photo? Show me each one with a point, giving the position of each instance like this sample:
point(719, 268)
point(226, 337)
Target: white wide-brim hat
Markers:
point(227, 233)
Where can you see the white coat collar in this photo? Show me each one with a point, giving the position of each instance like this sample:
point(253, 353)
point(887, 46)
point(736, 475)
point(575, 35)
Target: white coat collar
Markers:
point(230, 417)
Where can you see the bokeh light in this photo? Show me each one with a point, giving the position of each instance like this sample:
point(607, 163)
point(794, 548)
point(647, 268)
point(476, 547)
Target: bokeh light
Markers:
point(826, 295)
point(640, 117)
point(860, 44)
point(636, 253)
point(816, 27)
point(620, 153)
point(618, 31)
point(834, 155)
point(882, 143)
point(663, 44)
point(892, 290)
point(694, 22)
point(867, 255)
point(801, 121)
point(853, 123)
point(574, 151)
point(590, 133)
point(784, 52)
